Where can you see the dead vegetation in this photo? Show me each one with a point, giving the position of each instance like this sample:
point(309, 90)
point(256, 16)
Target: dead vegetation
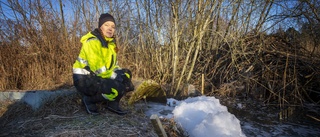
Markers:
point(65, 117)
point(281, 67)
point(270, 69)
point(236, 55)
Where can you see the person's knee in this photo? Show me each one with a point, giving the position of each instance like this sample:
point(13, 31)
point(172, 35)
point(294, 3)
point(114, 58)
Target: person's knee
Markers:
point(85, 85)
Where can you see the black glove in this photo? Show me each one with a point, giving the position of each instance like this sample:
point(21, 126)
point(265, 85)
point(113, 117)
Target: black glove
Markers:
point(127, 80)
point(118, 75)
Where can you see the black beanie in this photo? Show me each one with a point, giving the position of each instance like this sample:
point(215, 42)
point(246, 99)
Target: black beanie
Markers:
point(104, 18)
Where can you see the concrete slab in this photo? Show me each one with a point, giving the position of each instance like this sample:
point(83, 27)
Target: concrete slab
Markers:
point(35, 98)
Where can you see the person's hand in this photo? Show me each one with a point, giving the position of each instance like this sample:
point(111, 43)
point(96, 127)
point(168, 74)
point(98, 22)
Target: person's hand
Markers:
point(110, 96)
point(118, 75)
point(127, 76)
point(124, 77)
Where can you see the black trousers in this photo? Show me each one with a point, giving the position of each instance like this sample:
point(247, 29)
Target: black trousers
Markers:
point(94, 86)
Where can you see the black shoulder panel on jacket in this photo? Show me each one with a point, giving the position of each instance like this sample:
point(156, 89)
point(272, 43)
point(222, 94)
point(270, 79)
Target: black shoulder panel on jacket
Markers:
point(96, 33)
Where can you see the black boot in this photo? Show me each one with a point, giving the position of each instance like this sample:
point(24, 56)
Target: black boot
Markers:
point(113, 106)
point(90, 105)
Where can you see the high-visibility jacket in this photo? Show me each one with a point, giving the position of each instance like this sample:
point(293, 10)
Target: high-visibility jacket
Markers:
point(100, 59)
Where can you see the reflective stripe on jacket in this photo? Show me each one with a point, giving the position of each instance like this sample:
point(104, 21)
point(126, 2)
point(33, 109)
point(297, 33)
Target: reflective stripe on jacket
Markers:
point(101, 60)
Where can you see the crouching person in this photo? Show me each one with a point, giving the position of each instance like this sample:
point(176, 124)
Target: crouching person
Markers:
point(96, 74)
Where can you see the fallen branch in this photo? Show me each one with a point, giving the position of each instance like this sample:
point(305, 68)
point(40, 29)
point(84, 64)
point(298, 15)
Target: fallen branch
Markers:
point(157, 125)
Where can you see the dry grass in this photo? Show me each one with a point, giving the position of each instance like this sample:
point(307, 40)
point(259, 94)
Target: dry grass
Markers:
point(268, 68)
point(35, 68)
point(65, 116)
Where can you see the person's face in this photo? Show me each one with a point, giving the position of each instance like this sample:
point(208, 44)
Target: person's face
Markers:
point(108, 29)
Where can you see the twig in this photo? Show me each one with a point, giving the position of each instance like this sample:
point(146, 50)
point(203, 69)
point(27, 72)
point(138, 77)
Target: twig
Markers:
point(57, 116)
point(317, 119)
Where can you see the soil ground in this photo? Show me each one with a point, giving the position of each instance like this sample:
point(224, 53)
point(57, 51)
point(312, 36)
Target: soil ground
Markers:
point(66, 116)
